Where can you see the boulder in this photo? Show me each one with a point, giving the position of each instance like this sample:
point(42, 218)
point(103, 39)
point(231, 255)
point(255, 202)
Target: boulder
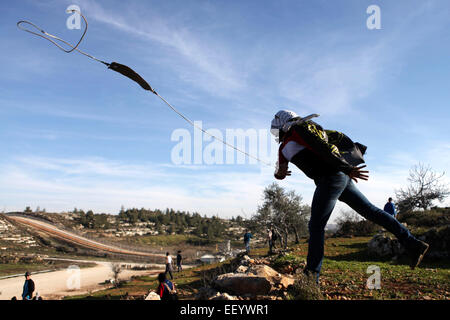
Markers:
point(275, 278)
point(152, 296)
point(382, 245)
point(241, 284)
point(263, 270)
point(439, 241)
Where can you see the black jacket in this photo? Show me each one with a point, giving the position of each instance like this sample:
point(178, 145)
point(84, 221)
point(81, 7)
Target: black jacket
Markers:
point(326, 151)
point(28, 289)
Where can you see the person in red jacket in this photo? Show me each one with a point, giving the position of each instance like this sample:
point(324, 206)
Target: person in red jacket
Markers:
point(334, 162)
point(166, 289)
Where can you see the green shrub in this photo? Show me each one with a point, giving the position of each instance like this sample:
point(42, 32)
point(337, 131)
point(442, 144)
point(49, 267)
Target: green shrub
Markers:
point(288, 260)
point(304, 288)
point(436, 217)
point(351, 224)
point(356, 228)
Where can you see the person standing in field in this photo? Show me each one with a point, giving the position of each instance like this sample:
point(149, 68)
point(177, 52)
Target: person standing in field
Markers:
point(333, 161)
point(275, 236)
point(247, 237)
point(28, 287)
point(179, 259)
point(270, 240)
point(169, 268)
point(389, 207)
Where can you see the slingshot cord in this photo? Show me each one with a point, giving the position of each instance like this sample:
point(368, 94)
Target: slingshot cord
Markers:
point(210, 134)
point(49, 37)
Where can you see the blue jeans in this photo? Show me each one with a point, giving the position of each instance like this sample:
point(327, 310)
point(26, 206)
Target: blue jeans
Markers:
point(247, 246)
point(339, 186)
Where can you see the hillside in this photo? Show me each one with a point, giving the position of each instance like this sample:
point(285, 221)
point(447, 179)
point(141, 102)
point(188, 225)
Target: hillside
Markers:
point(344, 275)
point(26, 238)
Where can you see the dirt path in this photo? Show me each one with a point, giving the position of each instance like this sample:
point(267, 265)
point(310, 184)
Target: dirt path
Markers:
point(74, 238)
point(56, 284)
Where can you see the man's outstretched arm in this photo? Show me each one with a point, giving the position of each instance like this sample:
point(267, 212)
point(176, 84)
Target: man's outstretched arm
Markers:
point(282, 170)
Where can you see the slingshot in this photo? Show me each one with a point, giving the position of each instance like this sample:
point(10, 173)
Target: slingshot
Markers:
point(120, 68)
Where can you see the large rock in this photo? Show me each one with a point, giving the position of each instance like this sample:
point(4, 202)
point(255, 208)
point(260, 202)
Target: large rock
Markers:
point(263, 270)
point(275, 278)
point(439, 241)
point(385, 245)
point(241, 284)
point(382, 245)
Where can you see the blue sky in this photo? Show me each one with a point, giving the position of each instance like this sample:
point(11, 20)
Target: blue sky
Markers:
point(77, 135)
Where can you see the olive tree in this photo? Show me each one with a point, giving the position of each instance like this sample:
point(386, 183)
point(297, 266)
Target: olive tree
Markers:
point(282, 211)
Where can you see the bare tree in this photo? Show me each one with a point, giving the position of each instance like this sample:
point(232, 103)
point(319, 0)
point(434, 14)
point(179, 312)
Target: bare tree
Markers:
point(116, 269)
point(424, 188)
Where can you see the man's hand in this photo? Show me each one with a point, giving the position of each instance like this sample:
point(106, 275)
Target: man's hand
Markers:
point(357, 173)
point(282, 172)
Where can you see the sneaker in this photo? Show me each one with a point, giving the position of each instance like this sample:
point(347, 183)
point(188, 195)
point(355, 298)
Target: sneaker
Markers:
point(418, 254)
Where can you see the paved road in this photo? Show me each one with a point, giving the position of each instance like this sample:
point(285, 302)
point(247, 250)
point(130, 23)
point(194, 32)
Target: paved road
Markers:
point(74, 238)
point(56, 284)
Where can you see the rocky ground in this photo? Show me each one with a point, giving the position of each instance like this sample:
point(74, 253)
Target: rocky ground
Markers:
point(252, 279)
point(344, 277)
point(279, 276)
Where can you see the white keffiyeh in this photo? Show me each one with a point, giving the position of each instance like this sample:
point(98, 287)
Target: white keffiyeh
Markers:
point(285, 119)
